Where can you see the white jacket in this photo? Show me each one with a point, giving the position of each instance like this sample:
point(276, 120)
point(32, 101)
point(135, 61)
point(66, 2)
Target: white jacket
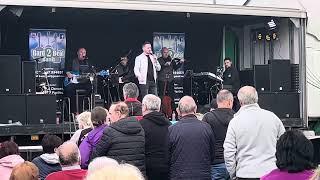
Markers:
point(141, 68)
point(250, 144)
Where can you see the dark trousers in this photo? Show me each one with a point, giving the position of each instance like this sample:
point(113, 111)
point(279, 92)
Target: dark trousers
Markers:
point(169, 88)
point(70, 91)
point(149, 88)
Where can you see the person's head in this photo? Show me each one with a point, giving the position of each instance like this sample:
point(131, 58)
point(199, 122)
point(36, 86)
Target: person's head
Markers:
point(224, 99)
point(146, 47)
point(82, 53)
point(69, 154)
point(227, 62)
point(84, 120)
point(294, 152)
point(213, 104)
point(247, 95)
point(130, 90)
point(98, 116)
point(8, 148)
point(25, 171)
point(50, 143)
point(165, 52)
point(101, 162)
point(118, 111)
point(124, 61)
point(150, 103)
point(186, 106)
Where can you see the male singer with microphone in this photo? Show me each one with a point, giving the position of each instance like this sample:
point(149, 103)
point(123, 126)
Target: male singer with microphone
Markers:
point(145, 69)
point(80, 66)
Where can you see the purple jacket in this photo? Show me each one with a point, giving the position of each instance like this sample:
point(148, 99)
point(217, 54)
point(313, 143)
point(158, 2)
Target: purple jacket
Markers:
point(90, 143)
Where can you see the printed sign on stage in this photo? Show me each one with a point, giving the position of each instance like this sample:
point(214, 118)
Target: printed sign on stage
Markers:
point(175, 42)
point(48, 48)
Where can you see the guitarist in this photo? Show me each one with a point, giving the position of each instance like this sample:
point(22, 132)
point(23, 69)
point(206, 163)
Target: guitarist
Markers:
point(80, 66)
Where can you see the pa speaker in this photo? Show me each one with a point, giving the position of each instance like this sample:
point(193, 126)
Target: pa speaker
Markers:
point(12, 109)
point(41, 109)
point(10, 74)
point(261, 77)
point(280, 75)
point(28, 77)
point(283, 104)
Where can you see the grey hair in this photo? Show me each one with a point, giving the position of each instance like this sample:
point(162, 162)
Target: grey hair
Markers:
point(224, 95)
point(248, 95)
point(187, 107)
point(131, 90)
point(152, 102)
point(101, 162)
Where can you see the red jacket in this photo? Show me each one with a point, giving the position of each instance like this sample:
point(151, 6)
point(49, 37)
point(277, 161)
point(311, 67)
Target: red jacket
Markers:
point(75, 174)
point(135, 108)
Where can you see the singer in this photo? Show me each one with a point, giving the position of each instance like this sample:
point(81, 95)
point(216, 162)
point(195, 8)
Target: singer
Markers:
point(145, 69)
point(76, 78)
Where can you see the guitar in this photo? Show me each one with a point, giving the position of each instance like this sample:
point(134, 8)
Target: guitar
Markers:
point(76, 77)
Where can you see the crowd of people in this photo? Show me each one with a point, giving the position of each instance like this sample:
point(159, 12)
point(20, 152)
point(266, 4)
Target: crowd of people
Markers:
point(133, 140)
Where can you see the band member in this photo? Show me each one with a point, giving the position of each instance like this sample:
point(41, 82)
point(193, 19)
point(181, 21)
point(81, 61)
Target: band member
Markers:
point(165, 75)
point(145, 69)
point(231, 79)
point(80, 66)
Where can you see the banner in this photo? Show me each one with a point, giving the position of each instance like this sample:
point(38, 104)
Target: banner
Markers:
point(48, 48)
point(175, 42)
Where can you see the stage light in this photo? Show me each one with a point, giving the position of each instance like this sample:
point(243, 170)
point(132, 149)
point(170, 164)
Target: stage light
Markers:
point(53, 10)
point(268, 37)
point(272, 25)
point(259, 36)
point(274, 36)
point(188, 15)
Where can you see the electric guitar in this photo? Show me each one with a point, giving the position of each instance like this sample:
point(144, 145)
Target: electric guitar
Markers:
point(76, 77)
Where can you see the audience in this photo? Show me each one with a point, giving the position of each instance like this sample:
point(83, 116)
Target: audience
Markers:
point(124, 139)
point(101, 162)
point(219, 119)
point(85, 126)
point(98, 118)
point(294, 157)
point(191, 144)
point(131, 94)
point(9, 158)
point(69, 158)
point(155, 126)
point(48, 162)
point(117, 172)
point(250, 143)
point(25, 171)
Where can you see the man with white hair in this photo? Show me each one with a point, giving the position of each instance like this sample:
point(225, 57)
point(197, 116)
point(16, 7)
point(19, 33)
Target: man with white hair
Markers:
point(155, 126)
point(219, 119)
point(191, 144)
point(69, 156)
point(250, 143)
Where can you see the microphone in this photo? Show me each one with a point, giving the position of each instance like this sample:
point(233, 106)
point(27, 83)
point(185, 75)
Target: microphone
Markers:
point(37, 59)
point(85, 57)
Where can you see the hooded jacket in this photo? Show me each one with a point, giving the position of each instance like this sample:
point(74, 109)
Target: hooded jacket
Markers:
point(219, 120)
point(47, 163)
point(123, 141)
point(155, 127)
point(7, 163)
point(90, 143)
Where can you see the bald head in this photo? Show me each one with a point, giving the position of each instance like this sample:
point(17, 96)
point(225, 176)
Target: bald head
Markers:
point(69, 154)
point(247, 95)
point(187, 106)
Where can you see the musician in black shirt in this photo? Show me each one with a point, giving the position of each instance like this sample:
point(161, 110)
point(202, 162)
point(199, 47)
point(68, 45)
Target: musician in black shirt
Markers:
point(231, 77)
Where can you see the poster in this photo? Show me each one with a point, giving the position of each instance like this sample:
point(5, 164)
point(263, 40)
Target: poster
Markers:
point(175, 42)
point(48, 48)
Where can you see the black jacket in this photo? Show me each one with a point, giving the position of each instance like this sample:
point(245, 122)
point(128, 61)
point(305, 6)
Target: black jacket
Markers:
point(155, 126)
point(219, 120)
point(231, 77)
point(191, 148)
point(123, 141)
point(45, 168)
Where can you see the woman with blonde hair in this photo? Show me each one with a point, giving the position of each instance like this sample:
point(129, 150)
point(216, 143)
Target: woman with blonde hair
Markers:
point(85, 126)
point(25, 171)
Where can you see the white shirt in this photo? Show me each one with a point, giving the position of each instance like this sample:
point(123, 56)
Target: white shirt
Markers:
point(141, 67)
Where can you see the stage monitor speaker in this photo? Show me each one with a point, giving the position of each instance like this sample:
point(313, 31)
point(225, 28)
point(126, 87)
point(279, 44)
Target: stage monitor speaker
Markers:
point(280, 75)
point(28, 77)
point(12, 108)
point(41, 109)
point(10, 74)
point(261, 77)
point(283, 104)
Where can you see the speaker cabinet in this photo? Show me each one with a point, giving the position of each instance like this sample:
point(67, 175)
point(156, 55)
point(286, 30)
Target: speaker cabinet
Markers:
point(283, 104)
point(280, 75)
point(41, 109)
point(261, 77)
point(28, 77)
point(10, 74)
point(12, 109)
